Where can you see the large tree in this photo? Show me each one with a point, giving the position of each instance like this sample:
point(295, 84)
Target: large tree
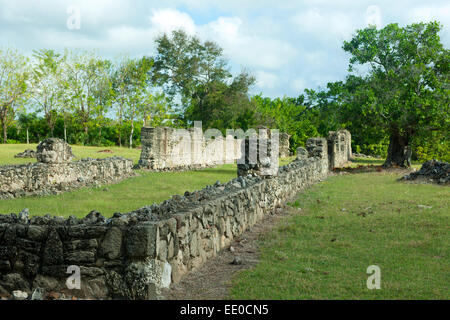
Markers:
point(195, 74)
point(13, 85)
point(406, 89)
point(46, 88)
point(86, 79)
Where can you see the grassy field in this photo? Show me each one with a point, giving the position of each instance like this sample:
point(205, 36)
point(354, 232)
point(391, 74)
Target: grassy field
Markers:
point(128, 195)
point(7, 152)
point(131, 194)
point(347, 223)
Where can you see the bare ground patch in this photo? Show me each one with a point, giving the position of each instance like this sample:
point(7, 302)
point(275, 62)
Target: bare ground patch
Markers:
point(212, 280)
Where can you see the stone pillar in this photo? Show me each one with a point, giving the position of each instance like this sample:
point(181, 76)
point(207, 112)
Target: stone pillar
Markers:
point(339, 148)
point(302, 153)
point(155, 147)
point(259, 154)
point(317, 147)
point(284, 145)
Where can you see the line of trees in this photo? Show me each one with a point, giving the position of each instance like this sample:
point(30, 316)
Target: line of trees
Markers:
point(397, 107)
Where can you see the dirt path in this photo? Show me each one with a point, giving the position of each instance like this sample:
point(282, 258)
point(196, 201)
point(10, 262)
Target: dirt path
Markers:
point(212, 280)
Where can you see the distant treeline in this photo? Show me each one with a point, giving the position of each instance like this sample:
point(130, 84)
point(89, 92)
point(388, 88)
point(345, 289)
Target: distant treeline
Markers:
point(398, 108)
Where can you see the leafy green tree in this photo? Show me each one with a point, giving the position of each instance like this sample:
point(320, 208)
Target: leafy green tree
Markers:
point(183, 63)
point(130, 85)
point(13, 86)
point(154, 110)
point(46, 89)
point(289, 115)
point(406, 90)
point(86, 75)
point(196, 74)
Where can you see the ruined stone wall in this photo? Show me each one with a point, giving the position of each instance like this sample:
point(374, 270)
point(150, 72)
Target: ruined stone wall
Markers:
point(56, 173)
point(284, 145)
point(134, 255)
point(165, 148)
point(339, 148)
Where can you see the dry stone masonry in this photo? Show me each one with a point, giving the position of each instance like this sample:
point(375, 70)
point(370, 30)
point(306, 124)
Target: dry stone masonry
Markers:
point(133, 255)
point(170, 149)
point(339, 148)
point(55, 172)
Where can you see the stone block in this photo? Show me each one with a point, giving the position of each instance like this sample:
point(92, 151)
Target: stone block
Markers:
point(141, 241)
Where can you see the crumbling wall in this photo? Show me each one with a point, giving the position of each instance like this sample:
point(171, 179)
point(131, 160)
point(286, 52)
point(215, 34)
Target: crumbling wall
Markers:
point(339, 148)
point(284, 145)
point(56, 173)
point(165, 148)
point(134, 255)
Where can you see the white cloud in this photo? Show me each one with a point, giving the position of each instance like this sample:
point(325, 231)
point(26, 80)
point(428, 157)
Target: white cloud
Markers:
point(167, 20)
point(299, 84)
point(267, 80)
point(288, 45)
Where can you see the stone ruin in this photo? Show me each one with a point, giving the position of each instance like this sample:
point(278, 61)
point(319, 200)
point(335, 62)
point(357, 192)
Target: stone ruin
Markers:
point(54, 150)
point(28, 153)
point(170, 149)
point(55, 172)
point(259, 154)
point(284, 145)
point(134, 255)
point(433, 171)
point(339, 148)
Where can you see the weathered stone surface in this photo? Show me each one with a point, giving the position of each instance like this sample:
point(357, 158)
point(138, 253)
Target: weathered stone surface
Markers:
point(14, 281)
point(302, 153)
point(54, 150)
point(259, 155)
point(80, 257)
point(111, 244)
point(53, 250)
point(55, 173)
point(47, 282)
point(141, 241)
point(28, 153)
point(339, 148)
point(284, 150)
point(434, 170)
point(132, 255)
point(165, 148)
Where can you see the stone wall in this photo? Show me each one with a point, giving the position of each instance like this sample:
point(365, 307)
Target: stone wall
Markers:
point(55, 172)
point(165, 148)
point(339, 148)
point(284, 145)
point(134, 255)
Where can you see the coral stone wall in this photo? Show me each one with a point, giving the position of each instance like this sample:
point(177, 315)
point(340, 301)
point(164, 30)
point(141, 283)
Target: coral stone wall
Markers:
point(55, 172)
point(339, 148)
point(134, 255)
point(165, 148)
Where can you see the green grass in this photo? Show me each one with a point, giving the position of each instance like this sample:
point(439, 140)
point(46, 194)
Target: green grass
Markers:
point(322, 251)
point(7, 152)
point(128, 195)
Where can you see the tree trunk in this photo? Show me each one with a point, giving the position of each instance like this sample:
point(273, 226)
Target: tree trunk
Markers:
point(399, 151)
point(5, 135)
point(131, 135)
point(28, 137)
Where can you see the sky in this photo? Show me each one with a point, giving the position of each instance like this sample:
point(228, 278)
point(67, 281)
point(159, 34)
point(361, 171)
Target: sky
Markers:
point(288, 45)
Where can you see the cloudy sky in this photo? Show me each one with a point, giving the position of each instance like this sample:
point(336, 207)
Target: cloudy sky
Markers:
point(289, 45)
